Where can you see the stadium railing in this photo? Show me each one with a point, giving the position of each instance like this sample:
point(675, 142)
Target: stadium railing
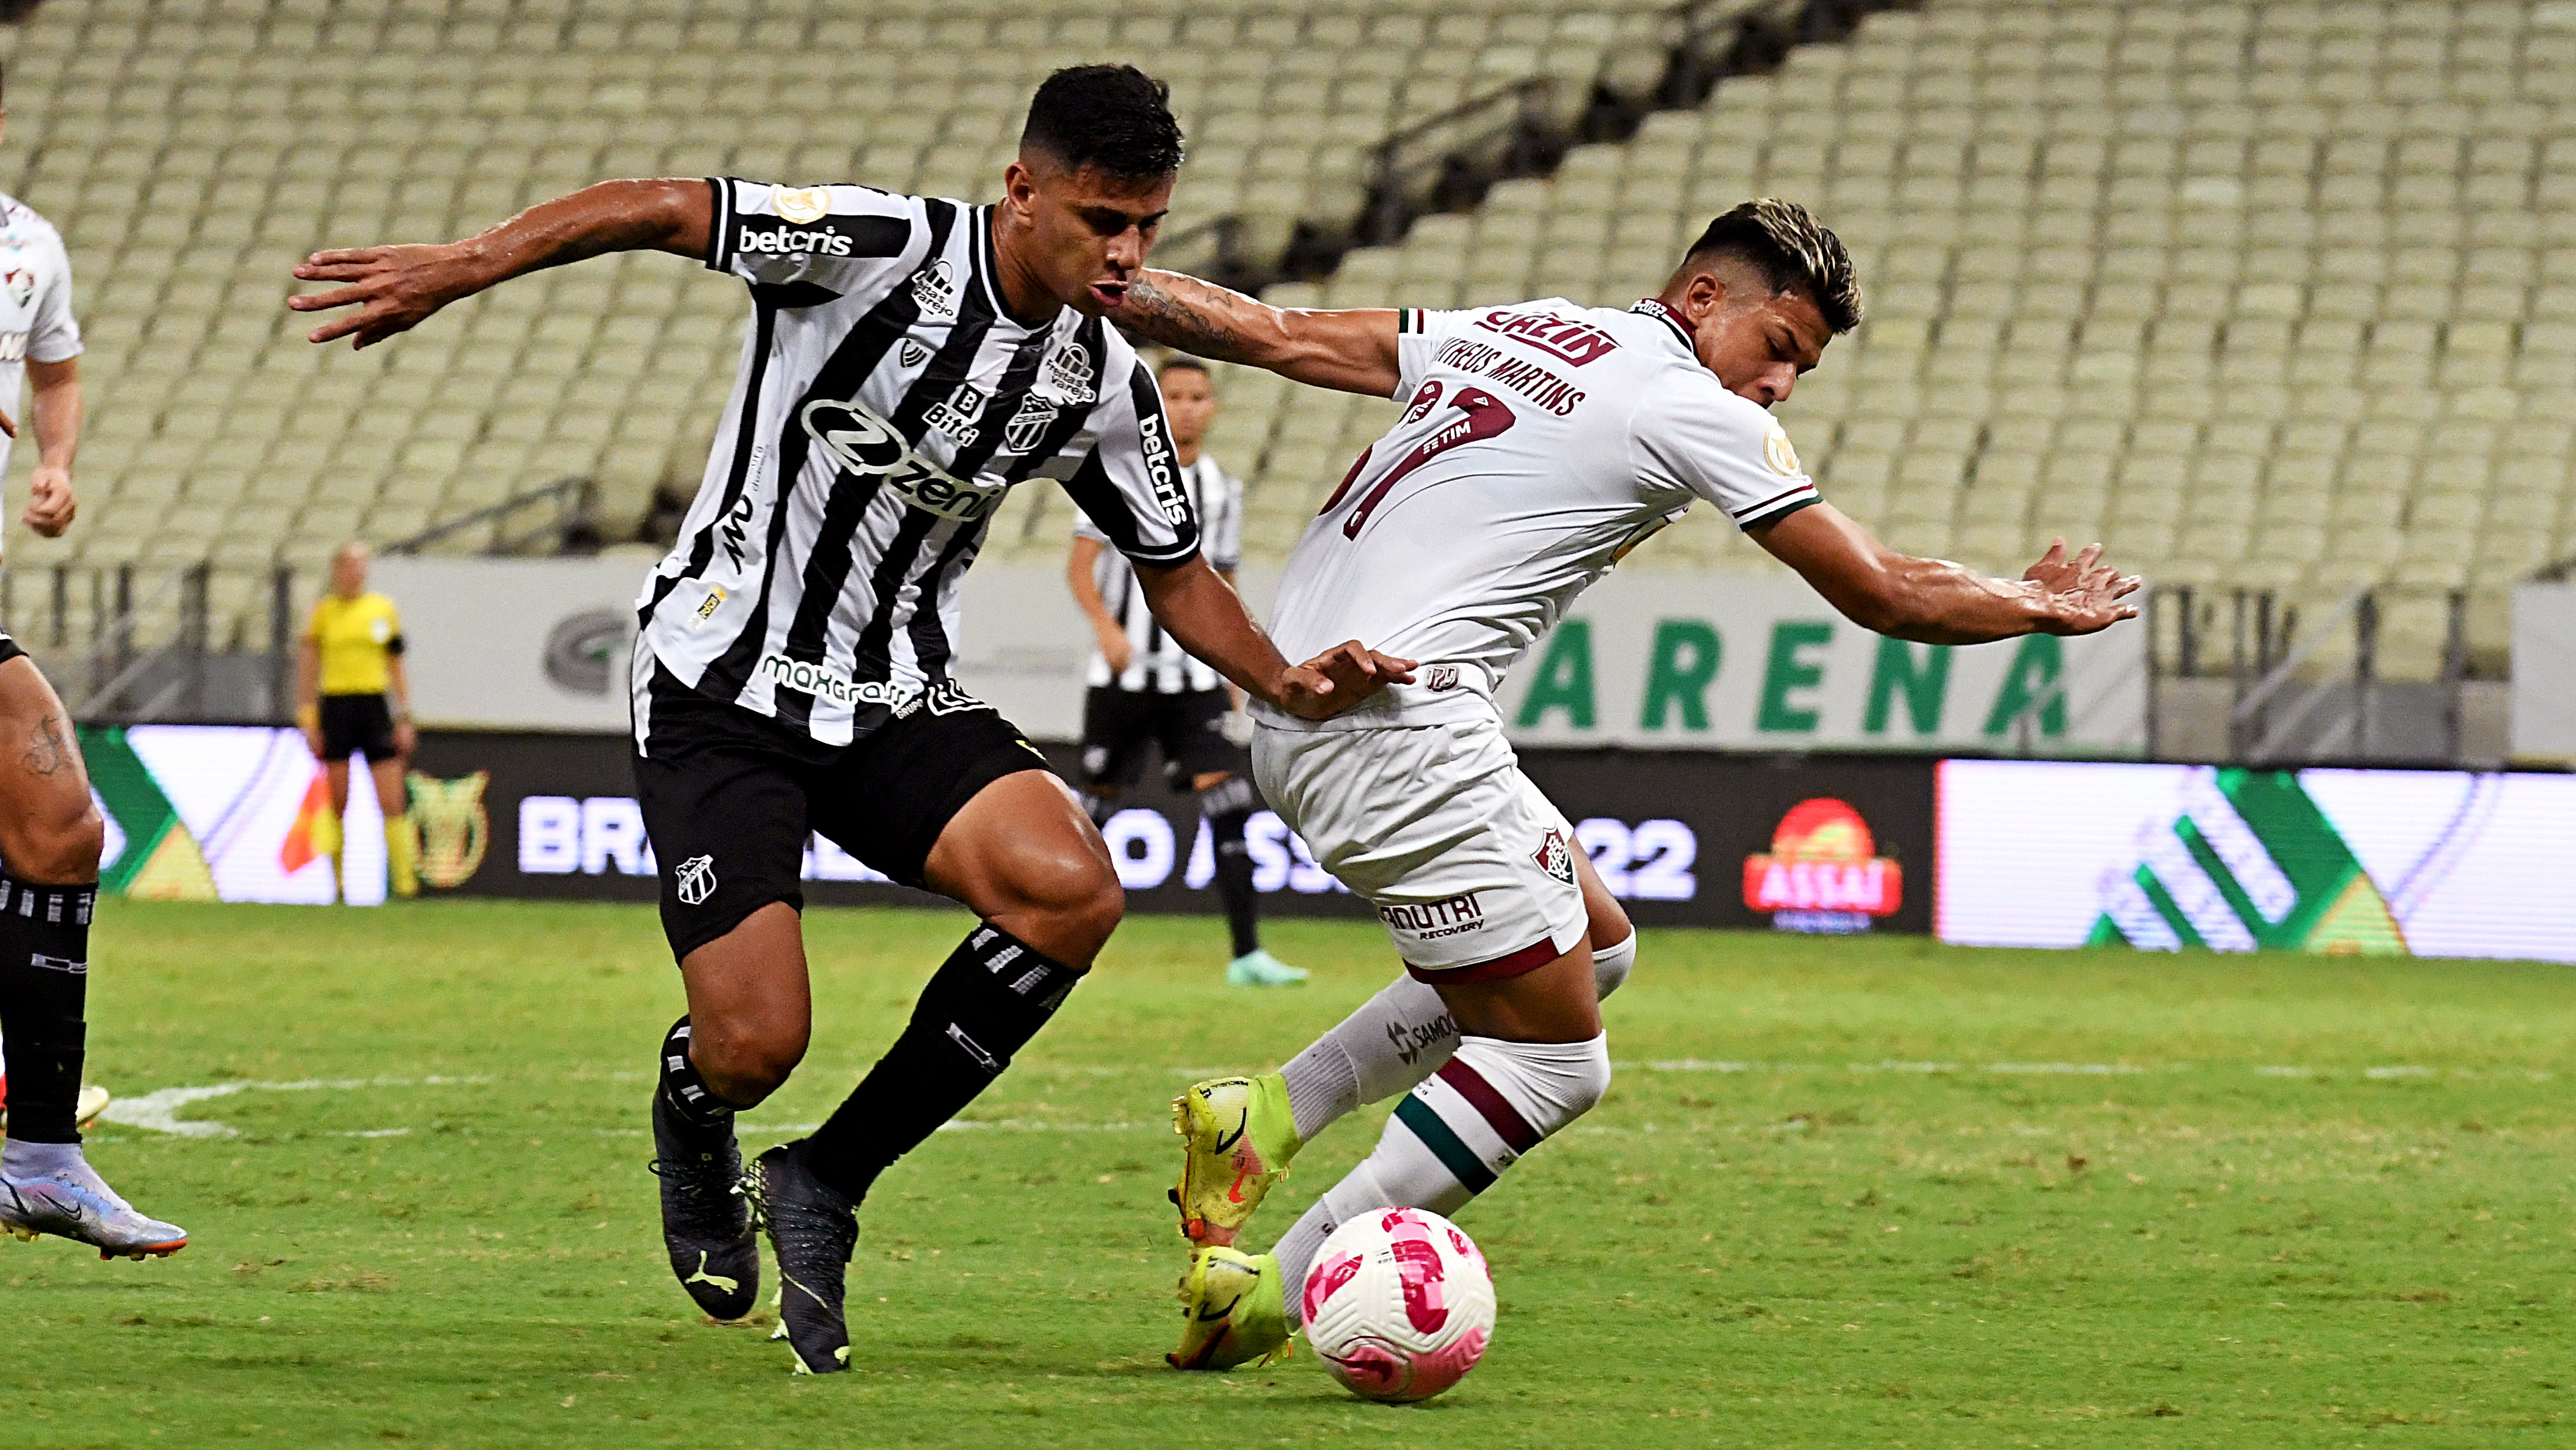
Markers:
point(2241, 676)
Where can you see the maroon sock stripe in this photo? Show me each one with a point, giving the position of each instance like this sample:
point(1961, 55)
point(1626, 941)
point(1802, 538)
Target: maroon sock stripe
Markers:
point(1506, 1120)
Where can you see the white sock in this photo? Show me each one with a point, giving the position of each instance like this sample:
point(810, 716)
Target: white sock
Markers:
point(1399, 1037)
point(1453, 1135)
point(1396, 1039)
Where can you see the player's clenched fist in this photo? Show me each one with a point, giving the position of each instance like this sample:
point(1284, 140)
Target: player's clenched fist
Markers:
point(50, 505)
point(2084, 592)
point(394, 288)
point(1339, 678)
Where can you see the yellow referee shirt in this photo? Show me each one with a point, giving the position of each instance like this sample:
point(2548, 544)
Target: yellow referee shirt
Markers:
point(357, 637)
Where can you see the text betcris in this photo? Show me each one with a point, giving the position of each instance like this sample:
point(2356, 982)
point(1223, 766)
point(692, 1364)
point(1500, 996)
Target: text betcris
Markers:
point(816, 241)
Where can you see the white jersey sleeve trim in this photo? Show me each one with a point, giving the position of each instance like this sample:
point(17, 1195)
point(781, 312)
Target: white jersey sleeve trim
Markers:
point(1692, 434)
point(1418, 335)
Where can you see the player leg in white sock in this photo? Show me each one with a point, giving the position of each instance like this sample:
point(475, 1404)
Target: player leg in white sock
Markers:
point(1396, 1039)
point(1453, 1135)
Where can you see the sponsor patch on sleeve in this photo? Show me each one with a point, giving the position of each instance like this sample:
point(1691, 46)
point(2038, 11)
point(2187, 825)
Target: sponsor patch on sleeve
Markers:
point(1777, 452)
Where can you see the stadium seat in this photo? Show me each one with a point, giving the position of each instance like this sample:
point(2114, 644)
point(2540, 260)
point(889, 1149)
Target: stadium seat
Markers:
point(2209, 243)
point(2275, 295)
point(190, 153)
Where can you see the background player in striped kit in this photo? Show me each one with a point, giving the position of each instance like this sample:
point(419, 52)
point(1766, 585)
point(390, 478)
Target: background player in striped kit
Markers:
point(1147, 692)
point(909, 361)
point(50, 831)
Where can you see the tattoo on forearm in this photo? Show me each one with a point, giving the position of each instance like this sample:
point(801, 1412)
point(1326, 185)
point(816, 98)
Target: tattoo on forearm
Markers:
point(1176, 322)
point(47, 753)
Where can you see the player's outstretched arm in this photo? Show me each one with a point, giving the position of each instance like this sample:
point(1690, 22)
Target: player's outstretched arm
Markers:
point(1352, 351)
point(396, 288)
point(1933, 601)
point(1204, 613)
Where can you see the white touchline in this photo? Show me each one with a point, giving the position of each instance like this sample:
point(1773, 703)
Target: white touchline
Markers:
point(158, 1110)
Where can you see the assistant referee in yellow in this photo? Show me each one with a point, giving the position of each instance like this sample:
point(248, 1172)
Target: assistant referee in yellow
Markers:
point(351, 699)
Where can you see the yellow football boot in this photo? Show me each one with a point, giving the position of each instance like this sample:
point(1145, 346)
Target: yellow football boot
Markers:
point(1237, 1135)
point(1234, 1311)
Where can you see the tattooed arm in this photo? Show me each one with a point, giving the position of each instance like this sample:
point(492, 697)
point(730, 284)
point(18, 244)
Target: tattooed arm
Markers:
point(1351, 352)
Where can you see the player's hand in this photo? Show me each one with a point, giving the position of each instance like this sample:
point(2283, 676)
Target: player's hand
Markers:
point(406, 738)
point(313, 741)
point(50, 505)
point(395, 289)
point(1115, 648)
point(1338, 679)
point(2084, 593)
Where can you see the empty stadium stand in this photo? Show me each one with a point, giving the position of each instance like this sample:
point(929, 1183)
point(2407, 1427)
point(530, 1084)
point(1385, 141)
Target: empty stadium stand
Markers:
point(2266, 294)
point(191, 150)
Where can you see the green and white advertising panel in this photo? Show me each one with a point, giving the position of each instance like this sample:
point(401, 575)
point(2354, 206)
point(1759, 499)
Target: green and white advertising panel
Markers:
point(1749, 661)
point(2431, 863)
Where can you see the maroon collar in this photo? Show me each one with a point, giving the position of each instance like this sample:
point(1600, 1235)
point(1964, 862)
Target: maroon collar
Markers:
point(1658, 311)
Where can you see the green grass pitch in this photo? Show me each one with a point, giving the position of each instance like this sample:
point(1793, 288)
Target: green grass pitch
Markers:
point(1843, 1193)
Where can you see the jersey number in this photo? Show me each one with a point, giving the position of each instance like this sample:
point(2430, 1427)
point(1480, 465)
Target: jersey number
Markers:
point(1482, 415)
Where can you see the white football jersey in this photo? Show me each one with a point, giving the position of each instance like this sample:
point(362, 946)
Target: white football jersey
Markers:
point(35, 306)
point(1541, 443)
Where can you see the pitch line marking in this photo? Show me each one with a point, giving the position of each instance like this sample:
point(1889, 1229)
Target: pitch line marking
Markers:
point(157, 1111)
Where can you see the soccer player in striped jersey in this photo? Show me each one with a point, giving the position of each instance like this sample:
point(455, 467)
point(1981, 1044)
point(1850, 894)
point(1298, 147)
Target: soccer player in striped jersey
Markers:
point(1146, 692)
point(50, 830)
point(909, 361)
point(1542, 442)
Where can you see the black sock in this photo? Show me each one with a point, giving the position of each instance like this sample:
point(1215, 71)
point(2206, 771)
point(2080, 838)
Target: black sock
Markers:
point(983, 1004)
point(1227, 806)
point(44, 987)
point(687, 1094)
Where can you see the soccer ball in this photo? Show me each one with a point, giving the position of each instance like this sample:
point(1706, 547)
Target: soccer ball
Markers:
point(1399, 1305)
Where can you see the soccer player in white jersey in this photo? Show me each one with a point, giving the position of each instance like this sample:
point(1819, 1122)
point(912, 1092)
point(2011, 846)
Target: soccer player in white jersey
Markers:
point(909, 361)
point(1145, 692)
point(50, 831)
point(1540, 443)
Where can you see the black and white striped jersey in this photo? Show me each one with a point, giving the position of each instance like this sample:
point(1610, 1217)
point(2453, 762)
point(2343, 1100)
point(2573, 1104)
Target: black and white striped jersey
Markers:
point(886, 403)
point(1156, 662)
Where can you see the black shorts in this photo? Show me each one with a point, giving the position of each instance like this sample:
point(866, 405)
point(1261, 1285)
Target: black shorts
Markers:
point(729, 798)
point(357, 725)
point(1117, 725)
point(9, 649)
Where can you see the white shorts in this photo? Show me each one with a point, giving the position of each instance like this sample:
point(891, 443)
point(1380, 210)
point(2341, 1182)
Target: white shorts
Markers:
point(1469, 866)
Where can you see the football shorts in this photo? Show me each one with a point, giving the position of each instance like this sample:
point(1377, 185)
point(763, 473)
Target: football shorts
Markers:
point(729, 797)
point(357, 725)
point(1188, 728)
point(1469, 866)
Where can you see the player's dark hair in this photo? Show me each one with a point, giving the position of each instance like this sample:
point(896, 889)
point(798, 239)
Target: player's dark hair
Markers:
point(1792, 250)
point(1185, 361)
point(1114, 117)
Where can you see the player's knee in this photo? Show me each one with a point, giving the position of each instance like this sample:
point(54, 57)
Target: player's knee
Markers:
point(1065, 905)
point(1549, 1084)
point(56, 845)
point(1590, 1081)
point(1611, 964)
point(744, 1063)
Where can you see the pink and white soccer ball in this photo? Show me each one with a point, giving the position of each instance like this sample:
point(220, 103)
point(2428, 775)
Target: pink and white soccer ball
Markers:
point(1399, 1305)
